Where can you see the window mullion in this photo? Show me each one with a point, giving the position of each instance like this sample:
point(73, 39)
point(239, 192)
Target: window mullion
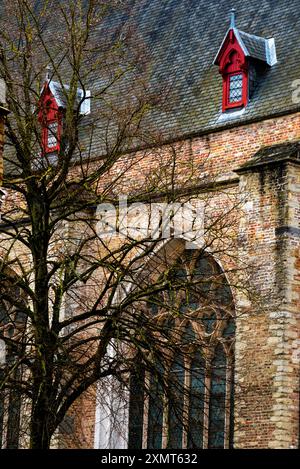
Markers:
point(229, 378)
point(186, 402)
point(146, 411)
point(206, 402)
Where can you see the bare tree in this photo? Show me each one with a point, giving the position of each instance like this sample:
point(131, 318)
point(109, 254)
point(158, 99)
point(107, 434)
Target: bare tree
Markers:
point(79, 303)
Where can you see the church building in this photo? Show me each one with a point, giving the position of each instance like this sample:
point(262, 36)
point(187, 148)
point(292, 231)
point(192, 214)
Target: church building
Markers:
point(232, 112)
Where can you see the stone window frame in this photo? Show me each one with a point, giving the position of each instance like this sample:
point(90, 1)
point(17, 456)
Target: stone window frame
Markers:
point(229, 387)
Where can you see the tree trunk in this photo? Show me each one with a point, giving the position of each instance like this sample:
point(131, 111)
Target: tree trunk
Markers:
point(42, 416)
point(41, 426)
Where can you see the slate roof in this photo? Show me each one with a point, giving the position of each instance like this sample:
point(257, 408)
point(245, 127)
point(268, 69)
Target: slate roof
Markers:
point(256, 46)
point(184, 36)
point(253, 46)
point(274, 154)
point(59, 95)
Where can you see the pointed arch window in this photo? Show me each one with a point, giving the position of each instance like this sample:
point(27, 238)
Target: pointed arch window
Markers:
point(195, 410)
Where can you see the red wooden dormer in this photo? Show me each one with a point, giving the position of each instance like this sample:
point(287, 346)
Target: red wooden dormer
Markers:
point(240, 58)
point(52, 106)
point(234, 69)
point(50, 118)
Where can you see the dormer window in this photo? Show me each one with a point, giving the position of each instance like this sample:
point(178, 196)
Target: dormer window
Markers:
point(234, 69)
point(241, 58)
point(52, 107)
point(235, 88)
point(50, 117)
point(51, 136)
point(235, 80)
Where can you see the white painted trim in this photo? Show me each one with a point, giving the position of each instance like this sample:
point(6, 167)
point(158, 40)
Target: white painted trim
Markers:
point(271, 52)
point(226, 116)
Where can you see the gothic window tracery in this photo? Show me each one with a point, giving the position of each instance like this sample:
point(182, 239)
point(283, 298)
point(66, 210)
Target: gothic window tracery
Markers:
point(196, 410)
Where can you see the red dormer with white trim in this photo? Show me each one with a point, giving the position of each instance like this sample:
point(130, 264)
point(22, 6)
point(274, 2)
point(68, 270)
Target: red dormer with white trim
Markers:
point(234, 69)
point(240, 57)
point(50, 117)
point(52, 106)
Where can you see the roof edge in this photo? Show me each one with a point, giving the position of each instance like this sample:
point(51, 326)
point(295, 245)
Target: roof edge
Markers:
point(270, 50)
point(270, 155)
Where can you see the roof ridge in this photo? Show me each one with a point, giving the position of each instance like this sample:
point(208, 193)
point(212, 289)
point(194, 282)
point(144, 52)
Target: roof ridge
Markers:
point(251, 35)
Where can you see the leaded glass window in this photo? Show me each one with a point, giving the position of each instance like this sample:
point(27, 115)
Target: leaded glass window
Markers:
point(52, 135)
point(235, 88)
point(196, 408)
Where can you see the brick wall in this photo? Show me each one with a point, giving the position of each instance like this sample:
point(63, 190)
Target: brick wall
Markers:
point(213, 156)
point(267, 340)
point(267, 361)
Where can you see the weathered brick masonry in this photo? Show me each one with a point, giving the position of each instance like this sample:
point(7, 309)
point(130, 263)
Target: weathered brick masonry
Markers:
point(267, 339)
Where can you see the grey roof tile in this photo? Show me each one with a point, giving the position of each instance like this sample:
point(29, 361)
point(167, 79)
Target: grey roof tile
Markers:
point(59, 95)
point(184, 37)
point(255, 45)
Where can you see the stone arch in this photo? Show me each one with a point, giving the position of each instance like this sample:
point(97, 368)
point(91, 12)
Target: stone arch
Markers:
point(205, 325)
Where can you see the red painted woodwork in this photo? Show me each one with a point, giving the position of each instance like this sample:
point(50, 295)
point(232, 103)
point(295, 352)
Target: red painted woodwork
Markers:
point(232, 61)
point(49, 113)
